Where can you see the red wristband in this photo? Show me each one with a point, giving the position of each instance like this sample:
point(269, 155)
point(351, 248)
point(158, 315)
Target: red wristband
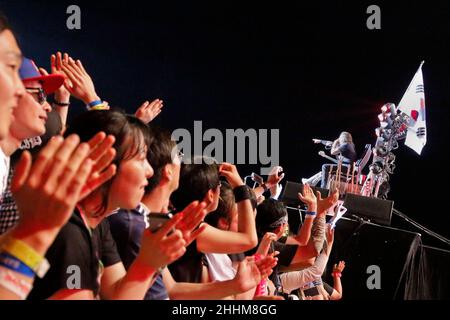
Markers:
point(337, 274)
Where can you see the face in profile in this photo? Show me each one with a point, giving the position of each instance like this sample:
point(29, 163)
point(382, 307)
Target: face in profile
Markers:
point(128, 186)
point(31, 113)
point(11, 87)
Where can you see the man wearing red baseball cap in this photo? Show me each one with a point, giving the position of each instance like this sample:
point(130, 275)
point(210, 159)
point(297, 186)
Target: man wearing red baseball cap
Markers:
point(30, 117)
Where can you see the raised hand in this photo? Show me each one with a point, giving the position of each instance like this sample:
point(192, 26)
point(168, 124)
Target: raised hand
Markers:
point(230, 172)
point(264, 245)
point(191, 217)
point(308, 197)
point(102, 154)
point(47, 190)
point(62, 94)
point(80, 84)
point(162, 247)
point(250, 273)
point(330, 234)
point(266, 265)
point(339, 267)
point(324, 204)
point(149, 110)
point(275, 177)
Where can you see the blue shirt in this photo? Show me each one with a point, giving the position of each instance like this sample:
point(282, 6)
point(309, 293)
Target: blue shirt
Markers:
point(127, 227)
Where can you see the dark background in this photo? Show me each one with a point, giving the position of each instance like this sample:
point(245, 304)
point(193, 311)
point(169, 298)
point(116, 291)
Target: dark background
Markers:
point(311, 70)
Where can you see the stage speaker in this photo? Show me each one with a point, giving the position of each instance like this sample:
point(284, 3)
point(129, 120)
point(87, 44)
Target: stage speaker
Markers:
point(290, 194)
point(374, 209)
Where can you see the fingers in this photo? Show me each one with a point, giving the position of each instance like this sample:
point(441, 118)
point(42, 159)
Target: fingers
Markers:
point(95, 140)
point(144, 105)
point(156, 104)
point(43, 72)
point(72, 70)
point(319, 196)
point(57, 61)
point(274, 254)
point(43, 159)
point(70, 75)
point(78, 181)
point(61, 162)
point(76, 67)
point(197, 232)
point(80, 65)
point(174, 245)
point(93, 184)
point(53, 67)
point(300, 196)
point(71, 168)
point(191, 221)
point(104, 161)
point(100, 144)
point(169, 225)
point(225, 166)
point(22, 171)
point(193, 215)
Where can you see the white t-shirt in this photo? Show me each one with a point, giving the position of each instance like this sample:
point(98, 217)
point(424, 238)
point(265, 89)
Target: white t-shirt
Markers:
point(4, 171)
point(220, 267)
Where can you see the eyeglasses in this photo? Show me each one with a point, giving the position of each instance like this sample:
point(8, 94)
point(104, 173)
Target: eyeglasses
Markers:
point(38, 94)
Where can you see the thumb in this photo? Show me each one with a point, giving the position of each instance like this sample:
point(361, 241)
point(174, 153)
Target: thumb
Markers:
point(43, 72)
point(319, 196)
point(21, 172)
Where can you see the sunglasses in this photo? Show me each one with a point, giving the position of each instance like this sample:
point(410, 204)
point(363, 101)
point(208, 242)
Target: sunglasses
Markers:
point(38, 94)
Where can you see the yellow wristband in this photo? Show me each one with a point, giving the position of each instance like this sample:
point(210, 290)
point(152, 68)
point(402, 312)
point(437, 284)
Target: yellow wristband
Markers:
point(23, 252)
point(101, 106)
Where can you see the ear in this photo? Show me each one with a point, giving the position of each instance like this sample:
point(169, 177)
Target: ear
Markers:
point(209, 196)
point(167, 172)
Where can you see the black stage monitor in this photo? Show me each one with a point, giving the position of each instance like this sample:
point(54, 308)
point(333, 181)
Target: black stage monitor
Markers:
point(291, 190)
point(374, 209)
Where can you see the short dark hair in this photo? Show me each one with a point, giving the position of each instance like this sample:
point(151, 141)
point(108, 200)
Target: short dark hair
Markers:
point(159, 154)
point(131, 136)
point(268, 213)
point(4, 24)
point(226, 203)
point(195, 182)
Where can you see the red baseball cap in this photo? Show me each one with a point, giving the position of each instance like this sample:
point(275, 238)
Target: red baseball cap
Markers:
point(29, 72)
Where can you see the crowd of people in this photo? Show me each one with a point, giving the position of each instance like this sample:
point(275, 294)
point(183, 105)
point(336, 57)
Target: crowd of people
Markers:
point(103, 206)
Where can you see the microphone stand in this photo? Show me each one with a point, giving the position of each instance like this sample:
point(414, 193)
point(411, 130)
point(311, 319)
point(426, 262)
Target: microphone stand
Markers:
point(420, 227)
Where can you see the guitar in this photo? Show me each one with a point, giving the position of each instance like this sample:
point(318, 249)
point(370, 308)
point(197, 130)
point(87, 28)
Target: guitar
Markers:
point(322, 154)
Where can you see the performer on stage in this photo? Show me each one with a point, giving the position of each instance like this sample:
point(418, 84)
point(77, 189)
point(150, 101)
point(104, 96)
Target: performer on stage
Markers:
point(343, 149)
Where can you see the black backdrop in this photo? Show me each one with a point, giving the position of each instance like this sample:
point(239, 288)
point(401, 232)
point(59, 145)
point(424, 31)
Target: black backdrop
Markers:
point(309, 69)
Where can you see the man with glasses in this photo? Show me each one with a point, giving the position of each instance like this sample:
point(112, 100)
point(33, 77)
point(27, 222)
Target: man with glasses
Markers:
point(30, 117)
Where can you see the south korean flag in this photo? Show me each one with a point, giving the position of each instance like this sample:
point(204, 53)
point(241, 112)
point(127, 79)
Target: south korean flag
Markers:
point(413, 104)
